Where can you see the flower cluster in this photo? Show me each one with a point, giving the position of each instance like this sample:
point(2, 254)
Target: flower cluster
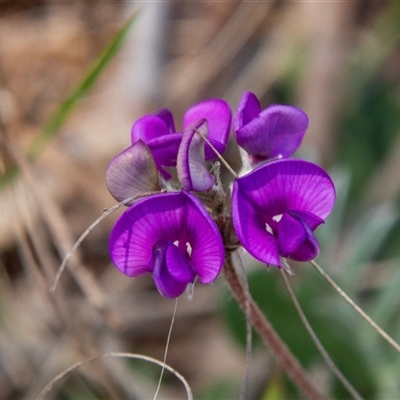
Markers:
point(174, 231)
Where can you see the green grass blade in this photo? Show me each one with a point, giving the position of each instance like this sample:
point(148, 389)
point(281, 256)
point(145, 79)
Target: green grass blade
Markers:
point(67, 106)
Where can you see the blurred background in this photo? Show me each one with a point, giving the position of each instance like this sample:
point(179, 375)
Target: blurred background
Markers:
point(68, 97)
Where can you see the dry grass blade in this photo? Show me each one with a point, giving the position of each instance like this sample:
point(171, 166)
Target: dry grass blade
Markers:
point(60, 231)
point(79, 364)
point(206, 66)
point(105, 214)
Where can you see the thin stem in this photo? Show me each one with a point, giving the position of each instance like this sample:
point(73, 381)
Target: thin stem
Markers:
point(105, 214)
point(79, 364)
point(370, 321)
point(269, 335)
point(218, 154)
point(166, 349)
point(332, 366)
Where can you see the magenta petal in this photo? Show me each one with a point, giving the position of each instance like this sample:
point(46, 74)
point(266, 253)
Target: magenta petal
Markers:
point(166, 258)
point(178, 265)
point(310, 219)
point(165, 151)
point(166, 285)
point(148, 221)
point(174, 217)
point(308, 251)
point(157, 131)
point(132, 172)
point(191, 166)
point(251, 229)
point(168, 118)
point(291, 235)
point(248, 108)
point(219, 116)
point(208, 253)
point(296, 239)
point(148, 127)
point(277, 131)
point(288, 184)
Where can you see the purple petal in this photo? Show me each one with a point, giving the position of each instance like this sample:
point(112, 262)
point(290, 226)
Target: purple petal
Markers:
point(205, 239)
point(308, 251)
point(174, 217)
point(249, 108)
point(295, 238)
point(277, 131)
point(165, 151)
point(157, 131)
point(251, 229)
point(191, 166)
point(132, 172)
point(178, 265)
point(168, 118)
point(219, 117)
point(166, 258)
point(149, 127)
point(284, 185)
point(291, 235)
point(310, 219)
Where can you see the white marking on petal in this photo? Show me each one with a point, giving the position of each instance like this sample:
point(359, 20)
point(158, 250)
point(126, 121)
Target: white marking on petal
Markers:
point(269, 229)
point(188, 249)
point(277, 218)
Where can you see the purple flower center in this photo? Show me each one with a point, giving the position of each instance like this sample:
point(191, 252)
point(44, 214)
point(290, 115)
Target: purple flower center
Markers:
point(171, 267)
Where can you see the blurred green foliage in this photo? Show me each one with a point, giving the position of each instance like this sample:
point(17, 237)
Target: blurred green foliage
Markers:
point(367, 132)
point(335, 332)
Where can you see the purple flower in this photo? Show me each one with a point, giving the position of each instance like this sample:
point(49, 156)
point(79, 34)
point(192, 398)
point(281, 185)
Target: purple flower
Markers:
point(173, 237)
point(274, 132)
point(276, 208)
point(158, 131)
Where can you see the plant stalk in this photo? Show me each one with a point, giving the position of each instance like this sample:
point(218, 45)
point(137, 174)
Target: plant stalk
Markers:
point(268, 334)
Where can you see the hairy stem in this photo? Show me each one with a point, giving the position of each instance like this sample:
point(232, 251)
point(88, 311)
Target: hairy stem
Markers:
point(282, 353)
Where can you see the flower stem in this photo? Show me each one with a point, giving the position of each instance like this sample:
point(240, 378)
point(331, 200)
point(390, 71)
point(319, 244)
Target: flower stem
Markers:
point(370, 321)
point(282, 353)
point(249, 327)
